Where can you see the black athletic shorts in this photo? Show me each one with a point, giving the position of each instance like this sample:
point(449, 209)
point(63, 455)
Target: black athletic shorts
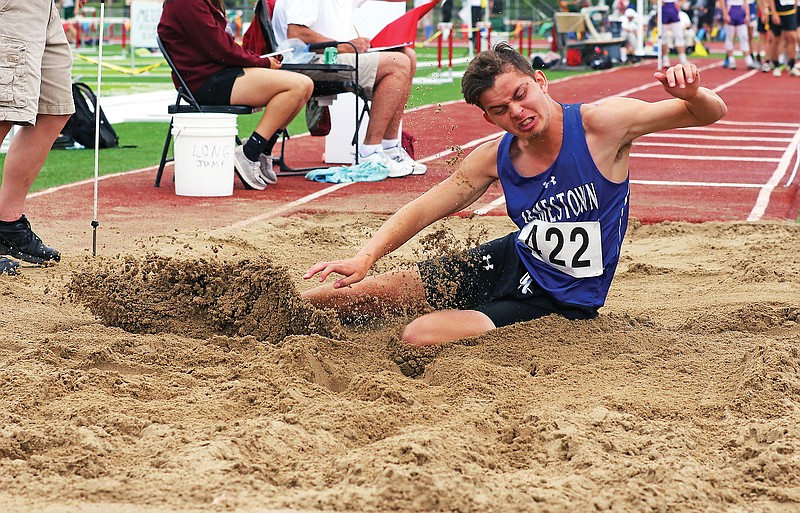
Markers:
point(788, 17)
point(216, 90)
point(492, 279)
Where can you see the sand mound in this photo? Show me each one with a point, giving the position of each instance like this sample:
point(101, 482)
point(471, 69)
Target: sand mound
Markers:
point(198, 297)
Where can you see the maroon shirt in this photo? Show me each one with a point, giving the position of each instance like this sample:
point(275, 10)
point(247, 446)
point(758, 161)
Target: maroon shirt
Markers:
point(193, 32)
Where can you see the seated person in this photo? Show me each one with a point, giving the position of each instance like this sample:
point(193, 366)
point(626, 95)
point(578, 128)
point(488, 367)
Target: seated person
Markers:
point(218, 71)
point(385, 76)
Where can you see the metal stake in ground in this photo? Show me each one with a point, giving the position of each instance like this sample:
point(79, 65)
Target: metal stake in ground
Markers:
point(95, 222)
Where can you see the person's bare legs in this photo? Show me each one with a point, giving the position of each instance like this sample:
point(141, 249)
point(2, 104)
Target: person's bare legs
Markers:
point(25, 158)
point(773, 50)
point(400, 291)
point(283, 94)
point(389, 97)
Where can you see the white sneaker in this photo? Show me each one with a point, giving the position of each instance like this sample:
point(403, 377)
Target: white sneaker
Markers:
point(399, 154)
point(248, 171)
point(267, 173)
point(795, 72)
point(397, 169)
point(777, 71)
point(766, 68)
point(266, 162)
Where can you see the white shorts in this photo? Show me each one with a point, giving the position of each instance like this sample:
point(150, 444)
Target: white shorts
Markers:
point(674, 33)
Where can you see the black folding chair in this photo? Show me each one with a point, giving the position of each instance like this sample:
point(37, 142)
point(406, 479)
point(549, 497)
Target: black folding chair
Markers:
point(329, 80)
point(191, 105)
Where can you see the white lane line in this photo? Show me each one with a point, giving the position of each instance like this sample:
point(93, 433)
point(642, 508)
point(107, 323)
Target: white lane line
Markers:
point(794, 171)
point(711, 146)
point(664, 135)
point(712, 128)
point(766, 191)
point(672, 156)
point(670, 183)
point(750, 124)
point(740, 78)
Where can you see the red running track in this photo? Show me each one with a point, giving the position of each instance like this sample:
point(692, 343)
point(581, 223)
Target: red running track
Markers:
point(735, 170)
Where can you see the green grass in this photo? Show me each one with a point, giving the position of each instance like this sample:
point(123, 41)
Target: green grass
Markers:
point(142, 143)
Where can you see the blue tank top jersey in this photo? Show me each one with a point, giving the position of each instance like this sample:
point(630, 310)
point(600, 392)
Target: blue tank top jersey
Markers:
point(572, 219)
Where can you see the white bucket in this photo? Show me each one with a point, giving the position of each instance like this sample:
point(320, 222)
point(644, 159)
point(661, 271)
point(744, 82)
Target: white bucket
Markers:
point(204, 145)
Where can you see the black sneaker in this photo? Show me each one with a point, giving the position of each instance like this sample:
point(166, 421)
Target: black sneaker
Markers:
point(18, 240)
point(8, 266)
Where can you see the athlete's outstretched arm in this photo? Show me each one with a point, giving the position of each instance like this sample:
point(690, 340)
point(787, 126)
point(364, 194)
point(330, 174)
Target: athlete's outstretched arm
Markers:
point(691, 105)
point(459, 190)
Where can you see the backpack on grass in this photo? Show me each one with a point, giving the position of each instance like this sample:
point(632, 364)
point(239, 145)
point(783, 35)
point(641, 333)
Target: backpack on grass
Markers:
point(80, 126)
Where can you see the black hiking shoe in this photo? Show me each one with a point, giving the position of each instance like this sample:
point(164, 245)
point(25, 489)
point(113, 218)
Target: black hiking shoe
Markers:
point(18, 240)
point(8, 267)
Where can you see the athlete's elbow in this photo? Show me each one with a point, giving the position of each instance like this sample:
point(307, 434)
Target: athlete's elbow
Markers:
point(712, 111)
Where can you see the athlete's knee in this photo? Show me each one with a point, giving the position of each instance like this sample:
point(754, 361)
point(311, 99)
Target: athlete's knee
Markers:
point(418, 334)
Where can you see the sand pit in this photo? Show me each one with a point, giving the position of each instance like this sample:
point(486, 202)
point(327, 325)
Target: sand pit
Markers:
point(185, 374)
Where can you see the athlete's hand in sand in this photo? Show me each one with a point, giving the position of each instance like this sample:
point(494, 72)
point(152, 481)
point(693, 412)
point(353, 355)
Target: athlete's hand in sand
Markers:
point(681, 81)
point(353, 269)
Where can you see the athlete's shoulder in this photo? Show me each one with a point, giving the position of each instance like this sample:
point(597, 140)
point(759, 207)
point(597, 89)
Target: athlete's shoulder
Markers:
point(484, 157)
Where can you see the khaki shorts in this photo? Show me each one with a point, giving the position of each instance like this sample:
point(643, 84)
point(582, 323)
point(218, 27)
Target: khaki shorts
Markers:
point(367, 68)
point(35, 62)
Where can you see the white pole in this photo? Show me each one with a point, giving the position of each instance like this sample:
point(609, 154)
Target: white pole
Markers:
point(95, 222)
point(661, 38)
point(640, 30)
point(470, 43)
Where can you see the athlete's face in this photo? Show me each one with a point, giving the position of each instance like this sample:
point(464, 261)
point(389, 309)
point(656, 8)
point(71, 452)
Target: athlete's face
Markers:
point(517, 103)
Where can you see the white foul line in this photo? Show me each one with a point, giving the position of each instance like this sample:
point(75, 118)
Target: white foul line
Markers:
point(291, 205)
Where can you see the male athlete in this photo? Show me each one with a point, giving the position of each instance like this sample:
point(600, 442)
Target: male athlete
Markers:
point(564, 172)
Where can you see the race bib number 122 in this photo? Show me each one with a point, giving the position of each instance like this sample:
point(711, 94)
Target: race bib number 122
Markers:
point(572, 248)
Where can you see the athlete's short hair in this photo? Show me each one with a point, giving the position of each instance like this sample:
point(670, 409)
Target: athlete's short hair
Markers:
point(486, 66)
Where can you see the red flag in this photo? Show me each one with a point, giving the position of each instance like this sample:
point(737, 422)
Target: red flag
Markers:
point(403, 30)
